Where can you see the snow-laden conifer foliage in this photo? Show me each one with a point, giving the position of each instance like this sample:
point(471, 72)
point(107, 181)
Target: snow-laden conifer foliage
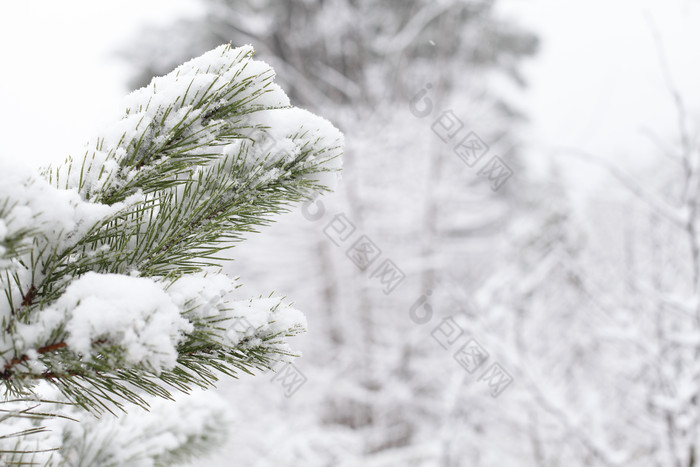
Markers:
point(109, 262)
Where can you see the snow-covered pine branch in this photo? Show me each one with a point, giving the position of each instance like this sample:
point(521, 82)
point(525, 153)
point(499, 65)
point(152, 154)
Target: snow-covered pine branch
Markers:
point(169, 433)
point(109, 263)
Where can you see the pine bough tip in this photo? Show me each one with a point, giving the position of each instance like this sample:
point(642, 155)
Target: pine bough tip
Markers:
point(108, 263)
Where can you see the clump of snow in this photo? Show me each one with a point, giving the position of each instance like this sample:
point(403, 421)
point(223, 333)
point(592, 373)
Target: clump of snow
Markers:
point(133, 313)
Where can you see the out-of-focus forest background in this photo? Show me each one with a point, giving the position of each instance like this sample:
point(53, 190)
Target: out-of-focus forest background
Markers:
point(509, 273)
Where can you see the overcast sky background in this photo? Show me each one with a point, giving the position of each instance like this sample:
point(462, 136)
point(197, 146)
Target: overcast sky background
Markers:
point(596, 85)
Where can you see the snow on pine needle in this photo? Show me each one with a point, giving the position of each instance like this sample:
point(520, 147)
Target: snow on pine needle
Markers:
point(169, 433)
point(110, 263)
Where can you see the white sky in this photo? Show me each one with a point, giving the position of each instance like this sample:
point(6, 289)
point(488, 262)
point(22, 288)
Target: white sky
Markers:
point(596, 84)
point(60, 81)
